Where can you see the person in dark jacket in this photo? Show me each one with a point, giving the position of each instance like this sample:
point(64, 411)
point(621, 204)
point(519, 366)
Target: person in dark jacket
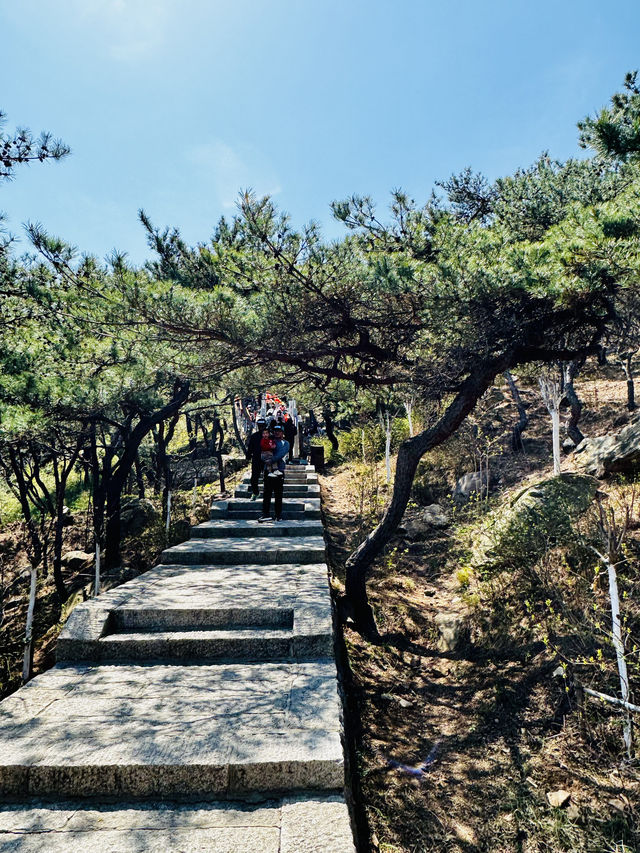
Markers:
point(290, 433)
point(275, 485)
point(254, 454)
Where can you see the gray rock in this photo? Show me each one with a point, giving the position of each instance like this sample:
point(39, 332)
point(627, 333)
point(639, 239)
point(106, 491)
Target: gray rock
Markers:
point(568, 445)
point(453, 630)
point(470, 484)
point(74, 561)
point(135, 515)
point(618, 453)
point(435, 516)
point(558, 799)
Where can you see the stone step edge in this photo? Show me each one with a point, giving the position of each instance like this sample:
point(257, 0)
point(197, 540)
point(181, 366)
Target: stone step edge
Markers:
point(213, 779)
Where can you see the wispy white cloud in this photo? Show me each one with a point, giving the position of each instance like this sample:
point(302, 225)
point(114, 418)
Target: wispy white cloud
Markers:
point(126, 30)
point(228, 170)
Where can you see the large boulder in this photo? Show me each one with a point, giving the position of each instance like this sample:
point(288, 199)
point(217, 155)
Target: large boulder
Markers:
point(518, 533)
point(618, 453)
point(75, 561)
point(469, 484)
point(135, 515)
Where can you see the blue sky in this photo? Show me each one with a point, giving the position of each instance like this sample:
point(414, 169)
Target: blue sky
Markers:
point(176, 105)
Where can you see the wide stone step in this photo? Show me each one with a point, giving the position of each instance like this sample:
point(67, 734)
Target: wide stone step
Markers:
point(305, 480)
point(159, 730)
point(260, 549)
point(247, 644)
point(303, 823)
point(128, 618)
point(181, 599)
point(243, 491)
point(250, 528)
point(256, 513)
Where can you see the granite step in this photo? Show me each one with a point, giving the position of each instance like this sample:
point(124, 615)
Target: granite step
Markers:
point(303, 823)
point(250, 528)
point(158, 730)
point(289, 491)
point(130, 618)
point(259, 549)
point(256, 512)
point(237, 644)
point(244, 508)
point(297, 479)
point(187, 599)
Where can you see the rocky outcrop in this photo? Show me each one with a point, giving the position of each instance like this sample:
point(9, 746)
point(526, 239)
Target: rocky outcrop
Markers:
point(519, 532)
point(611, 454)
point(75, 561)
point(135, 515)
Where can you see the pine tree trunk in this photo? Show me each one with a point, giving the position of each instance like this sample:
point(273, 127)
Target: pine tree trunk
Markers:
point(523, 419)
point(569, 372)
point(236, 430)
point(409, 454)
point(628, 372)
point(328, 423)
point(27, 661)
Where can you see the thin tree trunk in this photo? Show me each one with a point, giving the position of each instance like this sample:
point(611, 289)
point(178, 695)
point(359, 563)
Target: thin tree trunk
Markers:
point(523, 419)
point(569, 372)
point(628, 372)
point(27, 660)
point(236, 430)
point(618, 644)
point(97, 580)
point(409, 454)
point(552, 395)
point(328, 423)
point(408, 404)
point(139, 477)
point(387, 448)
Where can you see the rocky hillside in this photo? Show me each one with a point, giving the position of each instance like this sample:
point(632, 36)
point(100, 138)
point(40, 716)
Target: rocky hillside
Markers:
point(469, 733)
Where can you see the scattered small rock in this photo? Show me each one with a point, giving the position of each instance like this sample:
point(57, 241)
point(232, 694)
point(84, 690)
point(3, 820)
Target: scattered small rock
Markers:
point(558, 799)
point(453, 630)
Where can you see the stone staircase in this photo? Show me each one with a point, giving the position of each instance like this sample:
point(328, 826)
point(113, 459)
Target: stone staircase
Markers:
point(193, 708)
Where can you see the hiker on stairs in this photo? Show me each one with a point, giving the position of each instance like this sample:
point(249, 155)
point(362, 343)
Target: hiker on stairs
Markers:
point(254, 452)
point(275, 485)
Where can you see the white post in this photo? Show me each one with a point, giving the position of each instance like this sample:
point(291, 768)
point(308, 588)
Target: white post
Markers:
point(96, 587)
point(408, 404)
point(616, 633)
point(168, 512)
point(555, 434)
point(552, 396)
point(28, 636)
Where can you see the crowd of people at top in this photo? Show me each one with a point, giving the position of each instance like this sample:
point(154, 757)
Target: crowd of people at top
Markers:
point(271, 442)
